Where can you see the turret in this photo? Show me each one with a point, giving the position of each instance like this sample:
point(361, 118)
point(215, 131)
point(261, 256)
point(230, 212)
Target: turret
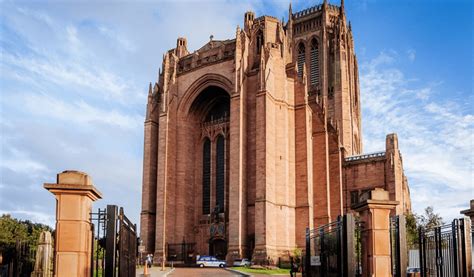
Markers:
point(181, 47)
point(248, 20)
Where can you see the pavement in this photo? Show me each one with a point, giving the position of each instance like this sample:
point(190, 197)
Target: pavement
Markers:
point(202, 272)
point(196, 272)
point(155, 271)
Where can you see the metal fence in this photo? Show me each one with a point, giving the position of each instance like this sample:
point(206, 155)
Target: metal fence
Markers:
point(333, 249)
point(398, 246)
point(114, 243)
point(181, 252)
point(19, 261)
point(443, 249)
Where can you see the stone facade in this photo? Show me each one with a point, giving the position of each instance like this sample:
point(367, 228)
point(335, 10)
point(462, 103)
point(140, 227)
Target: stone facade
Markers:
point(250, 140)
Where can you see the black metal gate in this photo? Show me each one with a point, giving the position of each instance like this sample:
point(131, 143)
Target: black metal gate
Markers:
point(181, 253)
point(19, 261)
point(443, 250)
point(332, 249)
point(398, 245)
point(114, 243)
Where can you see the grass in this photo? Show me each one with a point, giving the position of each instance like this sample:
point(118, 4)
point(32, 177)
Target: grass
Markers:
point(262, 271)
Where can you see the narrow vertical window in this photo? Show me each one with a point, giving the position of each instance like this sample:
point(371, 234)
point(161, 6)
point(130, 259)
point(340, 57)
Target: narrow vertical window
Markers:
point(220, 172)
point(259, 41)
point(206, 177)
point(314, 77)
point(301, 57)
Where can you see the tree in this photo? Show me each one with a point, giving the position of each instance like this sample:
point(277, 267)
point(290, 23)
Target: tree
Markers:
point(411, 229)
point(13, 230)
point(429, 219)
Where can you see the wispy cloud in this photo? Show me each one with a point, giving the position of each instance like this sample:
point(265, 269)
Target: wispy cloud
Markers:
point(33, 216)
point(435, 136)
point(115, 37)
point(38, 15)
point(71, 74)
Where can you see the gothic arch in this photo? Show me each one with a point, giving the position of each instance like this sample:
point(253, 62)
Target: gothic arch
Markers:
point(193, 91)
point(300, 57)
point(314, 61)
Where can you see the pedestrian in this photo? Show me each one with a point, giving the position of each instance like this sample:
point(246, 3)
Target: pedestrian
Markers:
point(149, 260)
point(293, 267)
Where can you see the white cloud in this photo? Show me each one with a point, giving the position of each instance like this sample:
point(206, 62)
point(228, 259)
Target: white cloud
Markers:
point(435, 136)
point(20, 162)
point(38, 15)
point(70, 74)
point(115, 37)
point(78, 112)
point(34, 216)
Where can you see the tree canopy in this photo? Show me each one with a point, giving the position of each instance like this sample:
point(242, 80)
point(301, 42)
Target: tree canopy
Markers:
point(429, 219)
point(13, 230)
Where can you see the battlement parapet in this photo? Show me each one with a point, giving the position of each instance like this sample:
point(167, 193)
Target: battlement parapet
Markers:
point(366, 157)
point(212, 52)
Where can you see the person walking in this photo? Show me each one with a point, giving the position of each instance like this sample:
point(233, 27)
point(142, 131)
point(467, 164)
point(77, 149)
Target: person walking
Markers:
point(149, 260)
point(293, 268)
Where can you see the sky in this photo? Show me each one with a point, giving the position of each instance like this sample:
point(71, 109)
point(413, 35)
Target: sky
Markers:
point(74, 77)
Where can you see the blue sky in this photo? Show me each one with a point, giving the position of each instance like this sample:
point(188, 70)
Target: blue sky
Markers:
point(74, 77)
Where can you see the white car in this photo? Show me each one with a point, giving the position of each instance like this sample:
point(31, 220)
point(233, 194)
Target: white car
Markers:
point(210, 261)
point(242, 262)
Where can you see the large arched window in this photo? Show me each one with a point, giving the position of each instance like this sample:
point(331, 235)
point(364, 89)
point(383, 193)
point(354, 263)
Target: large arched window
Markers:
point(314, 77)
point(206, 177)
point(301, 59)
point(220, 172)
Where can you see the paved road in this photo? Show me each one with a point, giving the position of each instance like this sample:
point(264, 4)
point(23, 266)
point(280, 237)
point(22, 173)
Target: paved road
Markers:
point(203, 272)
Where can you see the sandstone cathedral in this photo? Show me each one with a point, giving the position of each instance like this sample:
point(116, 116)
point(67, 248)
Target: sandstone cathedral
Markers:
point(250, 140)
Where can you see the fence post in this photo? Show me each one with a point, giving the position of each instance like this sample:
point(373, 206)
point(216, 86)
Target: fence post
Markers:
point(400, 246)
point(308, 253)
point(421, 250)
point(111, 241)
point(455, 231)
point(466, 246)
point(349, 246)
point(375, 213)
point(340, 246)
point(322, 253)
point(74, 192)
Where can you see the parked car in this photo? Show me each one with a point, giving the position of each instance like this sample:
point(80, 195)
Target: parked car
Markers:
point(413, 272)
point(242, 262)
point(210, 261)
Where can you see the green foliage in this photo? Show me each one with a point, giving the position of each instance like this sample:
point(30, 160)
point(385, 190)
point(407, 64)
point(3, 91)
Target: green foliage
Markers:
point(412, 230)
point(13, 230)
point(427, 220)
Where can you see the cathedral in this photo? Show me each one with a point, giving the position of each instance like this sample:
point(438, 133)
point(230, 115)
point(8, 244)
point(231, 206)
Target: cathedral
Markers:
point(251, 140)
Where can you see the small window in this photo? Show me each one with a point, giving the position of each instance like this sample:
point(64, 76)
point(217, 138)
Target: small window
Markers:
point(259, 41)
point(354, 197)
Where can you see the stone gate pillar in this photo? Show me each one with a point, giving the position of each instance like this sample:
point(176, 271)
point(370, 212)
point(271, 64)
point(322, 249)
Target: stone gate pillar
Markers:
point(374, 210)
point(469, 251)
point(43, 256)
point(75, 193)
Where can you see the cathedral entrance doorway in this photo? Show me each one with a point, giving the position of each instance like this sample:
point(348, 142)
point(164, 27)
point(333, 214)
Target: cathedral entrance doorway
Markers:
point(208, 128)
point(218, 248)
